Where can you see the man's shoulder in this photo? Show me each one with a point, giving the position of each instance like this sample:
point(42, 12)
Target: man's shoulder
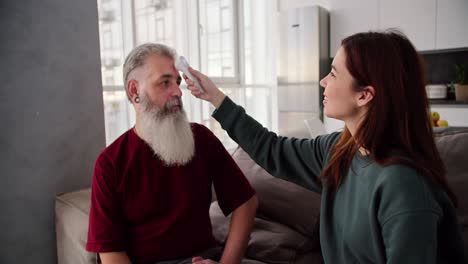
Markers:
point(198, 127)
point(117, 147)
point(201, 132)
point(205, 139)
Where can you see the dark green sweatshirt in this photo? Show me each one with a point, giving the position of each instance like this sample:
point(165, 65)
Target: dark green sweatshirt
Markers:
point(379, 214)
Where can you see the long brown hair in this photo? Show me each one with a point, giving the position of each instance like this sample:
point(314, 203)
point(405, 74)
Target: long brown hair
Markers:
point(397, 118)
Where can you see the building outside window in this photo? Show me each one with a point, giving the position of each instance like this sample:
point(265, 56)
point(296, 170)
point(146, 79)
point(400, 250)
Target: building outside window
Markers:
point(218, 40)
point(110, 29)
point(154, 21)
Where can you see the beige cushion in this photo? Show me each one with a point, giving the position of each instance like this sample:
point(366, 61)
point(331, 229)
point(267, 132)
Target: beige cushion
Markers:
point(72, 214)
point(452, 144)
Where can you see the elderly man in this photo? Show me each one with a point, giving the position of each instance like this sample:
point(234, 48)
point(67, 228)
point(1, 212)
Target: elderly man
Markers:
point(151, 189)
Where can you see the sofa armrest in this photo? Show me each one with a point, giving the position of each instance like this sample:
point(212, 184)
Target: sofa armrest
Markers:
point(71, 224)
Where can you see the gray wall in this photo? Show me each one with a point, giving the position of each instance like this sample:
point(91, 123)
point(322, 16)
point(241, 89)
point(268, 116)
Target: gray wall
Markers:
point(51, 117)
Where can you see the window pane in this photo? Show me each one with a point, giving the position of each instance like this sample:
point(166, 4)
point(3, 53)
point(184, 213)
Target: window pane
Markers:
point(256, 101)
point(110, 31)
point(217, 38)
point(119, 114)
point(238, 95)
point(155, 21)
point(116, 105)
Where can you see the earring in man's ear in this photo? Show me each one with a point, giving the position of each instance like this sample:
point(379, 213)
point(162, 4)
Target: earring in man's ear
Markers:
point(137, 99)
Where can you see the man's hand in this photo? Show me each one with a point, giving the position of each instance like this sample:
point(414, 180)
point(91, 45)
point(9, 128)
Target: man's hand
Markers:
point(114, 258)
point(239, 232)
point(200, 260)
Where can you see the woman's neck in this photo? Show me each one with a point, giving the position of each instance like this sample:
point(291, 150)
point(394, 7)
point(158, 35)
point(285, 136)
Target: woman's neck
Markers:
point(352, 124)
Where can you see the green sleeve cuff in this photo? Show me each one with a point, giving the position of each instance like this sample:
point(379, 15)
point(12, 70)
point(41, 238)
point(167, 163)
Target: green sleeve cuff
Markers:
point(224, 109)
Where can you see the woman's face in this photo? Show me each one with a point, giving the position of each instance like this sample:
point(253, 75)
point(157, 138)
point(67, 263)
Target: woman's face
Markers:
point(340, 100)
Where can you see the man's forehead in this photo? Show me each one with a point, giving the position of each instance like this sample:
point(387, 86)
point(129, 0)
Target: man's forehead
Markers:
point(159, 58)
point(156, 75)
point(157, 66)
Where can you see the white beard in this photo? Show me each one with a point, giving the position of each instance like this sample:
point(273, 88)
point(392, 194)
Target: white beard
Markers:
point(168, 133)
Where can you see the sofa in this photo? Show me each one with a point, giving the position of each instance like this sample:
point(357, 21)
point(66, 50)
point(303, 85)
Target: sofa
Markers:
point(286, 227)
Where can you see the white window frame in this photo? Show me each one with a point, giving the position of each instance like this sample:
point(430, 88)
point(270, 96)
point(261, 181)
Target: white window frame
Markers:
point(194, 50)
point(187, 42)
point(237, 80)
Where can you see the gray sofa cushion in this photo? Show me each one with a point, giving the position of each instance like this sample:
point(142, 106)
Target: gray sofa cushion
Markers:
point(282, 201)
point(269, 242)
point(287, 213)
point(452, 144)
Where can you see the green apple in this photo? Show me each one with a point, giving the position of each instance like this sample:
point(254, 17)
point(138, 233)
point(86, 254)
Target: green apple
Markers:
point(435, 117)
point(429, 117)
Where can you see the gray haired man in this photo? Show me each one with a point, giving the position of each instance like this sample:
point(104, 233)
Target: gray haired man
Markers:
point(151, 189)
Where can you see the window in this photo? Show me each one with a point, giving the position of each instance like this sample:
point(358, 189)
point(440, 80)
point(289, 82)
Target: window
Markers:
point(154, 21)
point(110, 28)
point(218, 40)
point(207, 32)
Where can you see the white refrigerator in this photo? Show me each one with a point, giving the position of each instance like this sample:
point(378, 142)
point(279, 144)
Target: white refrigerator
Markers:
point(303, 59)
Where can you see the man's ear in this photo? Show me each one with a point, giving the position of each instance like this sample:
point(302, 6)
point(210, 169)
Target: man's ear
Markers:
point(132, 87)
point(366, 95)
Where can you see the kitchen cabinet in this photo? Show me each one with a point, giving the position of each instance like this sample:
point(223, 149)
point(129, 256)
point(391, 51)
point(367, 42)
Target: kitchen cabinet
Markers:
point(452, 20)
point(415, 18)
point(429, 24)
point(351, 16)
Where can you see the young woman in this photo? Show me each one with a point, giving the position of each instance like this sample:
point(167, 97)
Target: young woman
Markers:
point(385, 198)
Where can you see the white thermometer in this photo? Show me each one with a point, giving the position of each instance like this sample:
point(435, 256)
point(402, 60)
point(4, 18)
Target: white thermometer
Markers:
point(182, 65)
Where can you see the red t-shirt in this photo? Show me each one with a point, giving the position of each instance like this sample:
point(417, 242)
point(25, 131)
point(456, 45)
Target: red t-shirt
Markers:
point(155, 212)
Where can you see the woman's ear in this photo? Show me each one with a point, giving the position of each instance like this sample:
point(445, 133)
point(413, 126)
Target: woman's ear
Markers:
point(366, 95)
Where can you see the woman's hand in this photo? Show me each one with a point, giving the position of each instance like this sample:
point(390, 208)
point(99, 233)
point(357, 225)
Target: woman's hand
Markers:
point(211, 93)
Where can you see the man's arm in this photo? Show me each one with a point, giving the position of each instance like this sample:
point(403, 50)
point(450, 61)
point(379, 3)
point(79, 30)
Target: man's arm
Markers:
point(239, 232)
point(114, 258)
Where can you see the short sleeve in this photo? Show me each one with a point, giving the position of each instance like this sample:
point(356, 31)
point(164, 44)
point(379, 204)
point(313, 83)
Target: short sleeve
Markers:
point(230, 184)
point(105, 231)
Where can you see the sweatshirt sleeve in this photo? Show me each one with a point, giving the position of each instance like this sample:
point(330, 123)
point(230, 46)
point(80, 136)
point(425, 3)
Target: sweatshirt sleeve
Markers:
point(411, 237)
point(410, 216)
point(230, 184)
point(296, 160)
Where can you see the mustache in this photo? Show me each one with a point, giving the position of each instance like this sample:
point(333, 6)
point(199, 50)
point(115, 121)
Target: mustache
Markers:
point(148, 106)
point(166, 110)
point(176, 102)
